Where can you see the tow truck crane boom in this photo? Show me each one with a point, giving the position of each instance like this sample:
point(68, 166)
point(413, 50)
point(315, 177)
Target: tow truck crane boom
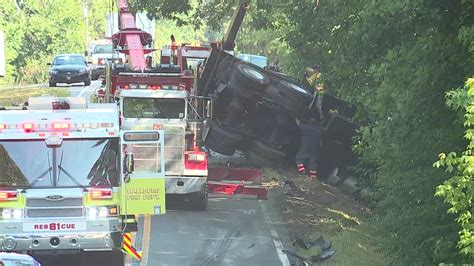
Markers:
point(235, 23)
point(130, 38)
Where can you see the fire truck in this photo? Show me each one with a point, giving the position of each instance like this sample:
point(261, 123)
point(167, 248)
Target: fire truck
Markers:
point(71, 181)
point(161, 97)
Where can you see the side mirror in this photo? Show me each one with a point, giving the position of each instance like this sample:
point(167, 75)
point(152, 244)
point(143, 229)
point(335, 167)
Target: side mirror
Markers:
point(48, 64)
point(129, 163)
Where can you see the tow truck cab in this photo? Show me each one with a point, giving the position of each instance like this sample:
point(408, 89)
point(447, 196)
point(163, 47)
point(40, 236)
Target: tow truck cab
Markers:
point(175, 112)
point(70, 181)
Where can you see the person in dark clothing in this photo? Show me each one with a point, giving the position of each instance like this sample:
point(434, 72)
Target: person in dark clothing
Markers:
point(309, 125)
point(308, 153)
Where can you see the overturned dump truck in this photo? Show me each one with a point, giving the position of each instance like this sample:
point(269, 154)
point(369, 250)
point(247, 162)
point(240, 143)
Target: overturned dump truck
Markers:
point(255, 110)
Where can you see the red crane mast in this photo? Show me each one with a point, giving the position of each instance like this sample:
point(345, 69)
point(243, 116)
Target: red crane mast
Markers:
point(131, 39)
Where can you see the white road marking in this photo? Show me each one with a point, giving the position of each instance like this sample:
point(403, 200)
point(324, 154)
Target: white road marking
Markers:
point(83, 91)
point(146, 239)
point(276, 239)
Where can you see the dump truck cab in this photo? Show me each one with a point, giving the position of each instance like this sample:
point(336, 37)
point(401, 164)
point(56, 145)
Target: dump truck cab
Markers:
point(71, 181)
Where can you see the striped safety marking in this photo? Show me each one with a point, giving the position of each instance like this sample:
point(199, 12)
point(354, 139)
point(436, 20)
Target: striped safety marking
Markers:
point(127, 246)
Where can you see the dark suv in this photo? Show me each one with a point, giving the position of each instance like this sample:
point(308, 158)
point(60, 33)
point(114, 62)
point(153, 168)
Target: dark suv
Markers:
point(69, 68)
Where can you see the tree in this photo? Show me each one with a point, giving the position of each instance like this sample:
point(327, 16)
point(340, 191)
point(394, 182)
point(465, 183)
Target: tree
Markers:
point(458, 190)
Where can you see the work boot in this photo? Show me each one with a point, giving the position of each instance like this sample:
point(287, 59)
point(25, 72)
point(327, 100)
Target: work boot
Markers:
point(300, 168)
point(312, 174)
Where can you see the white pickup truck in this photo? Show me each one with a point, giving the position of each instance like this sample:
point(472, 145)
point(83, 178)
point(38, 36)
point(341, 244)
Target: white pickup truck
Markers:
point(101, 53)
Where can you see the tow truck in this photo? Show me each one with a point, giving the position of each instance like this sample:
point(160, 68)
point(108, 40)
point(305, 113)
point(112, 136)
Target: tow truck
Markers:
point(160, 96)
point(71, 181)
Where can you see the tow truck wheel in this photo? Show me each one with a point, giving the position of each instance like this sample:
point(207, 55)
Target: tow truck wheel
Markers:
point(200, 202)
point(52, 84)
point(247, 78)
point(87, 82)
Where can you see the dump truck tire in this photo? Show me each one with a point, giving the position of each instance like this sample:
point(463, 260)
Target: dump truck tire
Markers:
point(219, 147)
point(290, 96)
point(222, 139)
point(247, 78)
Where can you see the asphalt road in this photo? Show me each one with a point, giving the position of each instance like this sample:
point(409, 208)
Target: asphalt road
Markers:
point(233, 231)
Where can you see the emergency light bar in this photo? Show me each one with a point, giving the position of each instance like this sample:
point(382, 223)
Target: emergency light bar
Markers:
point(100, 193)
point(8, 195)
point(152, 87)
point(52, 127)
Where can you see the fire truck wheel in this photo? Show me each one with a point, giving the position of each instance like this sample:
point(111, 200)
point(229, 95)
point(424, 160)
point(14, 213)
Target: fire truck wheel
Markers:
point(274, 156)
point(247, 78)
point(52, 84)
point(87, 82)
point(292, 97)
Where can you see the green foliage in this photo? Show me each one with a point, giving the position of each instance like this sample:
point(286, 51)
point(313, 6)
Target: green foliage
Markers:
point(35, 31)
point(458, 190)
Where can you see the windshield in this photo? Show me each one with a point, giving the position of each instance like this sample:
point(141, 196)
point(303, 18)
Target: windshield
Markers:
point(77, 162)
point(69, 60)
point(260, 61)
point(194, 62)
point(166, 108)
point(103, 49)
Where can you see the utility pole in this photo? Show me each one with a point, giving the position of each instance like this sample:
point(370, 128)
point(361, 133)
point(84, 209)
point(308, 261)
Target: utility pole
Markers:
point(86, 33)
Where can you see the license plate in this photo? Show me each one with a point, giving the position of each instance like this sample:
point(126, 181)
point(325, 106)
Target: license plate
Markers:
point(54, 226)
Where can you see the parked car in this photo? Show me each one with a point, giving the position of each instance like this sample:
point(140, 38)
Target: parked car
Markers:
point(69, 68)
point(102, 53)
point(15, 259)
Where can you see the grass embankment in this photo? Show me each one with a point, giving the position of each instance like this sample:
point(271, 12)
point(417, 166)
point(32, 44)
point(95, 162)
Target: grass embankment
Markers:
point(18, 96)
point(313, 209)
